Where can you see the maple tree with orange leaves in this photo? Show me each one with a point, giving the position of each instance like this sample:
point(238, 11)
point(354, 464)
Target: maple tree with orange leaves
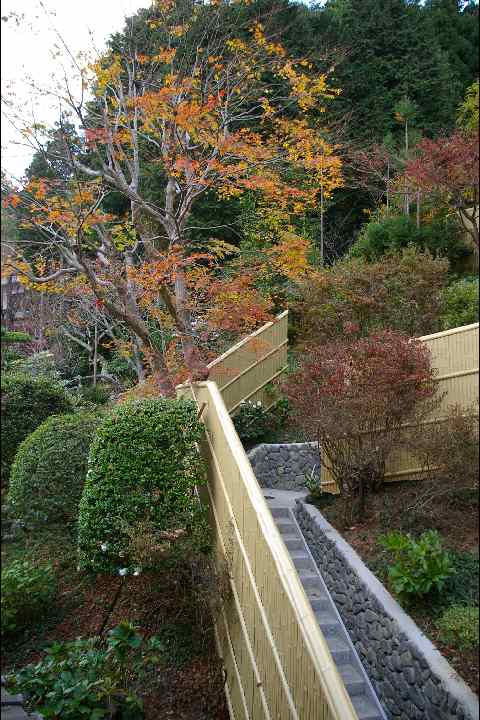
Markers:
point(220, 108)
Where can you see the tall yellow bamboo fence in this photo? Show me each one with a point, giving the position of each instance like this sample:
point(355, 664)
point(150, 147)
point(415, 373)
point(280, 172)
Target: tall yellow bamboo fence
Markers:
point(277, 663)
point(246, 371)
point(455, 359)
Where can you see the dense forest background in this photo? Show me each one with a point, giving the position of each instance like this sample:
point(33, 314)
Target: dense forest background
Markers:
point(394, 61)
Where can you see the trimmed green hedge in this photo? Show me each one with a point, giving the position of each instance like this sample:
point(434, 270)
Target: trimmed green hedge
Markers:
point(143, 467)
point(26, 403)
point(49, 469)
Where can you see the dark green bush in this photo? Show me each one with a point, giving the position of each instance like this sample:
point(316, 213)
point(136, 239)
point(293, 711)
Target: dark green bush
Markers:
point(463, 587)
point(441, 238)
point(96, 394)
point(26, 403)
point(49, 470)
point(27, 591)
point(143, 467)
point(459, 303)
point(87, 679)
point(459, 625)
point(252, 421)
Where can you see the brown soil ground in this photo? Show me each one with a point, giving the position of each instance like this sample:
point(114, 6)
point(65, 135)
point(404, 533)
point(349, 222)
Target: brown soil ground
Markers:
point(188, 686)
point(454, 516)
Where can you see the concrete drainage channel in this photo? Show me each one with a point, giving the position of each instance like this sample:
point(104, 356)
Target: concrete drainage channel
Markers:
point(390, 668)
point(338, 640)
point(12, 707)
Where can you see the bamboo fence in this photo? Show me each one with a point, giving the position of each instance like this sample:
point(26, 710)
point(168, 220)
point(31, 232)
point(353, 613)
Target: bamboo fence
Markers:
point(246, 370)
point(276, 661)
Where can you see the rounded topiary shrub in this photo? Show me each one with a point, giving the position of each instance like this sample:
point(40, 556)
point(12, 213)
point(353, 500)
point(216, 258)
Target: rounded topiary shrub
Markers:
point(26, 403)
point(143, 467)
point(49, 470)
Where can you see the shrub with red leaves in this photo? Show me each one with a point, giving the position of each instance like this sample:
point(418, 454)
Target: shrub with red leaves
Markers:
point(447, 168)
point(353, 398)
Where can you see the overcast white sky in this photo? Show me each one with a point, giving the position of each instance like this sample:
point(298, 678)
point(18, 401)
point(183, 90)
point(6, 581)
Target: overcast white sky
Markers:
point(26, 51)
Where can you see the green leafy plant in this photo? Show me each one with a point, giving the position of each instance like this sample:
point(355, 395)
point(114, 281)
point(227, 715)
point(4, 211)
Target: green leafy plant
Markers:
point(421, 566)
point(14, 336)
point(27, 591)
point(49, 469)
point(252, 421)
point(459, 625)
point(26, 403)
point(41, 364)
point(459, 303)
point(143, 466)
point(86, 678)
point(316, 495)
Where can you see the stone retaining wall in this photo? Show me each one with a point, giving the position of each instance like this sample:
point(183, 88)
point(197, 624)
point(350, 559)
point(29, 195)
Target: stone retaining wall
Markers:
point(12, 707)
point(410, 676)
point(284, 466)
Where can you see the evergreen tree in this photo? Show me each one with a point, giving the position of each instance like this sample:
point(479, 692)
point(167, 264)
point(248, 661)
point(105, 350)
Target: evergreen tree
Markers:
point(391, 52)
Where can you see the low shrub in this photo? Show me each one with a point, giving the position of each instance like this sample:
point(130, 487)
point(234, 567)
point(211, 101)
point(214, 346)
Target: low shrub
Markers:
point(459, 303)
point(87, 678)
point(49, 469)
point(462, 588)
point(449, 451)
point(27, 591)
point(421, 566)
point(26, 403)
point(252, 421)
point(40, 364)
point(14, 336)
point(402, 292)
point(353, 398)
point(96, 394)
point(143, 466)
point(459, 626)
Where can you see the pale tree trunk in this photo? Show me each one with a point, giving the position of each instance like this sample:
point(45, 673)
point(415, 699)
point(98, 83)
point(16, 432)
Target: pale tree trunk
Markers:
point(137, 361)
point(407, 199)
point(95, 353)
point(388, 187)
point(193, 360)
point(321, 225)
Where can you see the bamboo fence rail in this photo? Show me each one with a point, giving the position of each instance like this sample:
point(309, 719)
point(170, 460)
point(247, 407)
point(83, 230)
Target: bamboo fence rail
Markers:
point(277, 663)
point(245, 371)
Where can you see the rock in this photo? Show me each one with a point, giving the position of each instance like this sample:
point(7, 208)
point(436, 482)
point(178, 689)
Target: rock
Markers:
point(416, 698)
point(407, 659)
